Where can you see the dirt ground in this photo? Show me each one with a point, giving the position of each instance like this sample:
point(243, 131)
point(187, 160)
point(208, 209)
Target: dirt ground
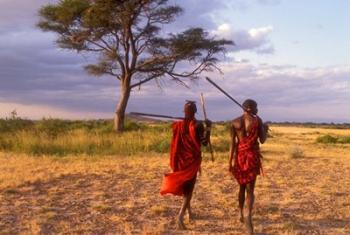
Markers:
point(303, 193)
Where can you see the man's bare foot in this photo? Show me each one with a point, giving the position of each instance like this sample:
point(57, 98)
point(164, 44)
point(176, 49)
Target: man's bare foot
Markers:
point(249, 225)
point(191, 216)
point(180, 223)
point(241, 218)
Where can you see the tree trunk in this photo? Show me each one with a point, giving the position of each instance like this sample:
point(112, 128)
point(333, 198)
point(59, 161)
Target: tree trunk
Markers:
point(120, 111)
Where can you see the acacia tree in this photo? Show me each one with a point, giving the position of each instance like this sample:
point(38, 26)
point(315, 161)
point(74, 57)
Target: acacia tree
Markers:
point(129, 44)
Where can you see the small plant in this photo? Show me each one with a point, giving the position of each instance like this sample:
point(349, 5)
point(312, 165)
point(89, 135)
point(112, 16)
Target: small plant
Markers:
point(296, 152)
point(13, 114)
point(11, 191)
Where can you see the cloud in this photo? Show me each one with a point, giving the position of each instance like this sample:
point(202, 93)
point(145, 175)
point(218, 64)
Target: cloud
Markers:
point(34, 72)
point(255, 39)
point(18, 14)
point(44, 111)
point(269, 2)
point(284, 93)
point(197, 13)
point(289, 92)
point(38, 79)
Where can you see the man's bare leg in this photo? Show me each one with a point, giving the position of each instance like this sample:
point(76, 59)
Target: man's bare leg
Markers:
point(241, 199)
point(186, 205)
point(189, 210)
point(180, 218)
point(250, 202)
point(189, 191)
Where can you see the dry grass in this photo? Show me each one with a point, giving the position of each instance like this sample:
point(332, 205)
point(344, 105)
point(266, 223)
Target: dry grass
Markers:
point(120, 195)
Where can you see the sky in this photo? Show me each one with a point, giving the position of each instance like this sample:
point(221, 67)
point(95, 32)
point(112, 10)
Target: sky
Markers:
point(292, 57)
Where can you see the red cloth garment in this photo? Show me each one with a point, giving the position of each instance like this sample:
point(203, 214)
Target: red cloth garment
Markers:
point(248, 161)
point(185, 157)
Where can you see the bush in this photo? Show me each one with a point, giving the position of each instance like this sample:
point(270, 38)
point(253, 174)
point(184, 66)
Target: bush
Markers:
point(344, 140)
point(132, 126)
point(52, 127)
point(327, 139)
point(15, 124)
point(161, 146)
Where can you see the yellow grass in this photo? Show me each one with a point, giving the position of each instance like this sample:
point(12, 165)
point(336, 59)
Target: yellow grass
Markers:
point(308, 194)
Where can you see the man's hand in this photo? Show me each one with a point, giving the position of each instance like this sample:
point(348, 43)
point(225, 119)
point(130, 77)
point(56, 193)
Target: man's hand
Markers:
point(207, 123)
point(230, 167)
point(266, 127)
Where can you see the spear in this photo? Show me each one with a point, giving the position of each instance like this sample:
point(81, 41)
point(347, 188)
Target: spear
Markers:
point(205, 117)
point(224, 92)
point(155, 115)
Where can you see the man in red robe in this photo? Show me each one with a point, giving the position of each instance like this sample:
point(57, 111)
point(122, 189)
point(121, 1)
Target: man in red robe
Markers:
point(247, 131)
point(185, 158)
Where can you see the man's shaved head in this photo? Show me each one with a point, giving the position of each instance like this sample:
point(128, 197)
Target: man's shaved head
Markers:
point(190, 109)
point(250, 106)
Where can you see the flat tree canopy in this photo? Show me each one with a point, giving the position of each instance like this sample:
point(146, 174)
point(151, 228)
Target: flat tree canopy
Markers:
point(128, 41)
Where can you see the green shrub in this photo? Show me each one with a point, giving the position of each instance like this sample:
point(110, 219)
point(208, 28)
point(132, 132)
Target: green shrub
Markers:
point(161, 146)
point(52, 127)
point(327, 139)
point(14, 124)
point(132, 126)
point(344, 140)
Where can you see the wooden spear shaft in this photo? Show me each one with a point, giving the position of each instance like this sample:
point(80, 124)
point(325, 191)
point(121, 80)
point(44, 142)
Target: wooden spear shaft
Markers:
point(155, 115)
point(224, 92)
point(205, 117)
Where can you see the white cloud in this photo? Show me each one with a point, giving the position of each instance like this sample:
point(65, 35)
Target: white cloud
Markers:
point(260, 33)
point(269, 2)
point(39, 80)
point(290, 92)
point(255, 39)
point(45, 111)
point(19, 14)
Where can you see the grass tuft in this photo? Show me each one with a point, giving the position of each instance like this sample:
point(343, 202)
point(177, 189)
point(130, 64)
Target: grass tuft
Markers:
point(296, 152)
point(10, 191)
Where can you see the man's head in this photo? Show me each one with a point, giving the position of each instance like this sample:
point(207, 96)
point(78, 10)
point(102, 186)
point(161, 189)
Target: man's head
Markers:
point(250, 106)
point(190, 109)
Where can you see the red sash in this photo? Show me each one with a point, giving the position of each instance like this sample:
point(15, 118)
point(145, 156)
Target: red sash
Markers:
point(248, 161)
point(185, 158)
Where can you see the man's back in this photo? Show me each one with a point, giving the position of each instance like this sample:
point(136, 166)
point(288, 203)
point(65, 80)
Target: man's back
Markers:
point(244, 152)
point(243, 125)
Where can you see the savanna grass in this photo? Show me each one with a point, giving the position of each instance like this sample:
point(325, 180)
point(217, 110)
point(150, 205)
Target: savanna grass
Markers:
point(93, 137)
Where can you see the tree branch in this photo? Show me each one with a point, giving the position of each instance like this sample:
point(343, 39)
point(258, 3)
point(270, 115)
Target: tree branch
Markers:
point(145, 80)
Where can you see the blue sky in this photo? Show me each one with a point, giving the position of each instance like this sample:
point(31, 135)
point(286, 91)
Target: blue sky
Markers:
point(291, 56)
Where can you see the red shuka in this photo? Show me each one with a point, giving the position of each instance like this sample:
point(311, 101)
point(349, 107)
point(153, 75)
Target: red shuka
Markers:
point(185, 158)
point(247, 163)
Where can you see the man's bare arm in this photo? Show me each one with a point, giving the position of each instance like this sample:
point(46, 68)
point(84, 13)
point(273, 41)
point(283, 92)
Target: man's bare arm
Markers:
point(263, 128)
point(204, 133)
point(232, 147)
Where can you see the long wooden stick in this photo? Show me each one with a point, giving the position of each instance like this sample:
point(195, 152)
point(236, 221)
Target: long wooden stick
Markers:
point(224, 92)
point(205, 117)
point(155, 115)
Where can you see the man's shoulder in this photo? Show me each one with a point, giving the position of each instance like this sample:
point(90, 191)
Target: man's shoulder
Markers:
point(176, 124)
point(199, 124)
point(237, 122)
